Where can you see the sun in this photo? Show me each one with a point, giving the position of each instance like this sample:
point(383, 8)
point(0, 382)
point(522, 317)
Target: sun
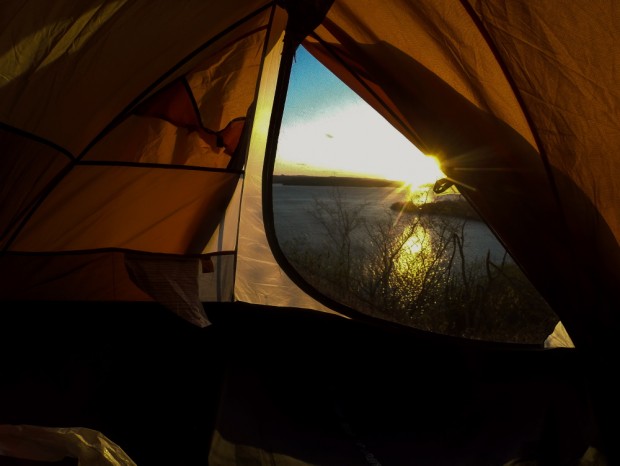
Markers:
point(417, 171)
point(426, 169)
point(400, 160)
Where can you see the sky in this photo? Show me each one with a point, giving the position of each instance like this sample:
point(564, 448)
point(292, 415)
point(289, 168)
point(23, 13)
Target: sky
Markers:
point(328, 130)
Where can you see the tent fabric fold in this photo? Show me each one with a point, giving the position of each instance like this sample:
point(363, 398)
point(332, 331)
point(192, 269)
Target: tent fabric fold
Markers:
point(157, 173)
point(496, 93)
point(49, 444)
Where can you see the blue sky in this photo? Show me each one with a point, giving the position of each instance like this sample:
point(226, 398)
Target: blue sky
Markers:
point(313, 89)
point(328, 130)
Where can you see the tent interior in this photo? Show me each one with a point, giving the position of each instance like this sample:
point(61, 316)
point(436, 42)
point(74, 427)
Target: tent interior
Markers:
point(259, 386)
point(222, 243)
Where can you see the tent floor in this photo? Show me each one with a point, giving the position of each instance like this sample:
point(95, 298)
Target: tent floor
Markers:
point(286, 387)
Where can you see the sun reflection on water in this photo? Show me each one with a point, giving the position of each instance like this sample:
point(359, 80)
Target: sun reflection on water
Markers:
point(415, 243)
point(415, 248)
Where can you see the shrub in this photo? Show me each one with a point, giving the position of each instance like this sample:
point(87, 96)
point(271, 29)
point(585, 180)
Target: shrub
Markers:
point(415, 270)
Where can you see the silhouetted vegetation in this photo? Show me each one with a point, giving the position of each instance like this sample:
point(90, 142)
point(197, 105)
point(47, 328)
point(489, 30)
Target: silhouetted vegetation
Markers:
point(416, 272)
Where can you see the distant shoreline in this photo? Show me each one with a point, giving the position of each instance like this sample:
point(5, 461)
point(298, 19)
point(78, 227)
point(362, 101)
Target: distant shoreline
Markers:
point(456, 207)
point(349, 181)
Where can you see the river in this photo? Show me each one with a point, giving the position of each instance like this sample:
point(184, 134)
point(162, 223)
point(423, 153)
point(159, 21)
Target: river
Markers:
point(293, 206)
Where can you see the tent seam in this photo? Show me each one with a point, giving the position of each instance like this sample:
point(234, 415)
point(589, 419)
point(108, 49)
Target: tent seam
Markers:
point(41, 140)
point(115, 121)
point(518, 96)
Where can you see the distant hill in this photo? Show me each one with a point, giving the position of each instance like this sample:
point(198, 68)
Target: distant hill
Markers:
point(351, 181)
point(454, 206)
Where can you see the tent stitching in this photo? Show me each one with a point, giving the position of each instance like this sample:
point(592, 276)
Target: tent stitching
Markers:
point(38, 200)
